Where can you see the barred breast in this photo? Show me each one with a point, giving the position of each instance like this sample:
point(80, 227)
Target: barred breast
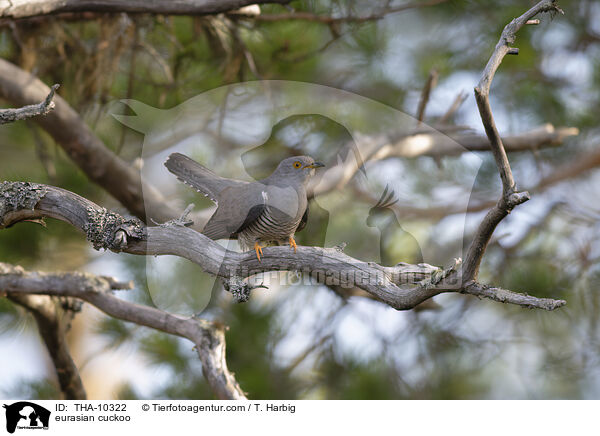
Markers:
point(271, 225)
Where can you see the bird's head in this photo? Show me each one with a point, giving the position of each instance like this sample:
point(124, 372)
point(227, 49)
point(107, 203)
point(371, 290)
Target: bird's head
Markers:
point(296, 169)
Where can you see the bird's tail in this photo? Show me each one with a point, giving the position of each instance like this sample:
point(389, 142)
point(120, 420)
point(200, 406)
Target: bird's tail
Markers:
point(195, 175)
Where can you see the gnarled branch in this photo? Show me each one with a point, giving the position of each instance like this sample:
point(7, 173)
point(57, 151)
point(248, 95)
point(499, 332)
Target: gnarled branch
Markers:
point(402, 286)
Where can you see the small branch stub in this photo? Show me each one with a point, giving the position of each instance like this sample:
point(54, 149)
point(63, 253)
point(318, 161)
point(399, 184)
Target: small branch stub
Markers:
point(11, 115)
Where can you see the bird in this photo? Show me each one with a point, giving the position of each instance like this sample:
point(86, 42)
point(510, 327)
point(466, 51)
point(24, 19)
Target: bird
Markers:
point(270, 210)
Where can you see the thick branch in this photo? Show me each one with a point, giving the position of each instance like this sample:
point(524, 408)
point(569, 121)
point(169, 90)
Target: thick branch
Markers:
point(33, 8)
point(402, 287)
point(510, 198)
point(11, 115)
point(69, 131)
point(208, 337)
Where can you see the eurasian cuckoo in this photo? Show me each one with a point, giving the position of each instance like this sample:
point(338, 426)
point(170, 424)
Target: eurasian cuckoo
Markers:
point(266, 211)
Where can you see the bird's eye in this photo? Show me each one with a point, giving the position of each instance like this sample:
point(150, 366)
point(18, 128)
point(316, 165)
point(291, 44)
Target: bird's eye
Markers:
point(297, 164)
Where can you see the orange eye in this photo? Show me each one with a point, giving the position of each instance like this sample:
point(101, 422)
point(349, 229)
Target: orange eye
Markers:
point(297, 164)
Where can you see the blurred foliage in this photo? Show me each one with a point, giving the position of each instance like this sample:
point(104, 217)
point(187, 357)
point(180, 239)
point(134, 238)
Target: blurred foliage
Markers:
point(466, 349)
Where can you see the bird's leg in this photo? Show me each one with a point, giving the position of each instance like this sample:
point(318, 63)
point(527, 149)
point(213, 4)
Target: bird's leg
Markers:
point(293, 243)
point(258, 250)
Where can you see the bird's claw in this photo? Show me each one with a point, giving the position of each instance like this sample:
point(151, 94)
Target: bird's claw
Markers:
point(258, 250)
point(293, 243)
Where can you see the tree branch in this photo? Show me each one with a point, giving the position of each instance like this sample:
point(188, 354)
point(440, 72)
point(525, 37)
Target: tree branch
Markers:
point(11, 115)
point(402, 286)
point(208, 337)
point(32, 8)
point(439, 143)
point(69, 131)
point(326, 19)
point(503, 296)
point(510, 197)
point(52, 329)
point(432, 142)
point(425, 93)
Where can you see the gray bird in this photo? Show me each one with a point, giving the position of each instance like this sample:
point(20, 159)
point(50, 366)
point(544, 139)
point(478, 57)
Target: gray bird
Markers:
point(270, 210)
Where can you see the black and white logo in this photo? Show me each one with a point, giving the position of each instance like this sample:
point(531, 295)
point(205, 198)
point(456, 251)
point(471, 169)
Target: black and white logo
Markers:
point(26, 415)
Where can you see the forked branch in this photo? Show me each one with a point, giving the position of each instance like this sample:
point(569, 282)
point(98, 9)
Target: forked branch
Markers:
point(510, 197)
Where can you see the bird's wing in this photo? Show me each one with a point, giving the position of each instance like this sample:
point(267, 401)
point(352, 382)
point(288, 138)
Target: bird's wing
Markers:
point(199, 177)
point(238, 208)
point(303, 220)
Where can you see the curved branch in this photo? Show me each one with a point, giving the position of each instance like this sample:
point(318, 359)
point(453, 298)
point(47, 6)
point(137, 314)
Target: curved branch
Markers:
point(510, 197)
point(402, 286)
point(208, 337)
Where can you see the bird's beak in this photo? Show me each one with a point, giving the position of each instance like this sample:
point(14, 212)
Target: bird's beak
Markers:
point(315, 165)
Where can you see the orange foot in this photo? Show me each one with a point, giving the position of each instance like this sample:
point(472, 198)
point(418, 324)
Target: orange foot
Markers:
point(293, 243)
point(258, 250)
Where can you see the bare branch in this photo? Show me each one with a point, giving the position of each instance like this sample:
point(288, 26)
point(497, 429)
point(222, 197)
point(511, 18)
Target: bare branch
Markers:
point(429, 85)
point(435, 143)
point(52, 321)
point(11, 115)
point(440, 143)
point(571, 170)
point(69, 131)
point(326, 19)
point(505, 296)
point(402, 286)
point(208, 337)
point(510, 197)
point(482, 90)
point(458, 101)
point(32, 8)
point(52, 330)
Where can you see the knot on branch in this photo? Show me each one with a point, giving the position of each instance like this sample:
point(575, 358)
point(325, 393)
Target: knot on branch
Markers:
point(239, 288)
point(439, 276)
point(514, 199)
point(16, 196)
point(110, 230)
